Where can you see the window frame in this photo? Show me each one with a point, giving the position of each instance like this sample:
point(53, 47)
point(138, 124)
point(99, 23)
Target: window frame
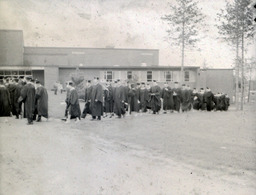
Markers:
point(107, 74)
point(169, 73)
point(186, 76)
point(149, 80)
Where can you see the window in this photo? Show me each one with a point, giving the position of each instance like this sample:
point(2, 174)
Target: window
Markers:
point(149, 76)
point(129, 74)
point(108, 75)
point(28, 72)
point(21, 72)
point(186, 75)
point(168, 76)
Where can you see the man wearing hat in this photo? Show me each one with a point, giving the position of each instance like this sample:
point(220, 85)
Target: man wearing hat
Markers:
point(73, 103)
point(119, 99)
point(209, 98)
point(167, 96)
point(87, 99)
point(143, 97)
point(202, 104)
point(185, 98)
point(133, 99)
point(97, 100)
point(42, 101)
point(5, 102)
point(155, 94)
point(176, 96)
point(28, 97)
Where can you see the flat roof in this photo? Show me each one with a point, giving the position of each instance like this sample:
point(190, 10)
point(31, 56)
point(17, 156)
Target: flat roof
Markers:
point(96, 48)
point(9, 30)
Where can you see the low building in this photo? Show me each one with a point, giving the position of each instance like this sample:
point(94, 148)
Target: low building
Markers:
point(51, 64)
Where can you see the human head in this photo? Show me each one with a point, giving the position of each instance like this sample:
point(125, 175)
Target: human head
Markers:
point(176, 84)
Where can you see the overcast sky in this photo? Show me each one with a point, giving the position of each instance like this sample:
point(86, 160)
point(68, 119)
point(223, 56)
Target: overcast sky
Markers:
point(118, 23)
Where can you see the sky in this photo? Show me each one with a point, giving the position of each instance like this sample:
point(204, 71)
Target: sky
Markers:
point(114, 23)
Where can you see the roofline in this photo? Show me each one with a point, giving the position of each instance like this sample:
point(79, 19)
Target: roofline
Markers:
point(8, 30)
point(30, 47)
point(217, 68)
point(154, 67)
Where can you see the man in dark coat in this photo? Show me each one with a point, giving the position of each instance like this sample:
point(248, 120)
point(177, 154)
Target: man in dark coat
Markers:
point(194, 99)
point(155, 94)
point(176, 96)
point(73, 103)
point(108, 99)
point(143, 97)
point(167, 96)
point(219, 100)
point(202, 103)
point(119, 99)
point(28, 97)
point(97, 100)
point(5, 102)
point(209, 98)
point(133, 99)
point(42, 101)
point(226, 102)
point(12, 88)
point(87, 99)
point(185, 98)
point(16, 97)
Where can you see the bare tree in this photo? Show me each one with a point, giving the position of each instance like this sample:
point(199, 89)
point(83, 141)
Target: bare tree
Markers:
point(235, 25)
point(184, 21)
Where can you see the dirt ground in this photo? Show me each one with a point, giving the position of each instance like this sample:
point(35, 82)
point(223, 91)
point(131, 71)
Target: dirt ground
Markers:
point(196, 153)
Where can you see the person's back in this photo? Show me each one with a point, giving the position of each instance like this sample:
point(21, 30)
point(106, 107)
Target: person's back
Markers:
point(42, 101)
point(28, 96)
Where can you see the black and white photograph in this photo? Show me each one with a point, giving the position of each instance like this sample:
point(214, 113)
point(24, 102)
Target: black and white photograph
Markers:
point(128, 97)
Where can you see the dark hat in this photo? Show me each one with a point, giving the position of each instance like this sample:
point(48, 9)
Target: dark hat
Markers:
point(115, 81)
point(37, 82)
point(183, 85)
point(118, 80)
point(176, 82)
point(70, 83)
point(143, 83)
point(138, 83)
point(21, 77)
point(154, 80)
point(88, 81)
point(16, 80)
point(28, 78)
point(201, 88)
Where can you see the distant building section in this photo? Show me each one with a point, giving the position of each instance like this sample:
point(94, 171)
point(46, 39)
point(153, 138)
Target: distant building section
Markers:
point(11, 47)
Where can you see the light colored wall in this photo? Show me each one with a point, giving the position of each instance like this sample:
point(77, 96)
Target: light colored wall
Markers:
point(51, 75)
point(11, 47)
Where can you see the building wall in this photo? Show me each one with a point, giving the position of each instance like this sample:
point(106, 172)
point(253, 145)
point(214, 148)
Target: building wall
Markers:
point(218, 80)
point(51, 75)
point(11, 47)
point(38, 75)
point(90, 57)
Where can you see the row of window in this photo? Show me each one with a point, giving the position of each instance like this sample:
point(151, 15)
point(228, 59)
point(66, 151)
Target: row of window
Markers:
point(15, 72)
point(168, 75)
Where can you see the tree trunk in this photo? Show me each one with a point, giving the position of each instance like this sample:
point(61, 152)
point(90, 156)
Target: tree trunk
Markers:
point(182, 47)
point(242, 74)
point(237, 64)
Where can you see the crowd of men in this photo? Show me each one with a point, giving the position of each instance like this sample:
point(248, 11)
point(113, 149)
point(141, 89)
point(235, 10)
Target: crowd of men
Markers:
point(107, 99)
point(23, 97)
